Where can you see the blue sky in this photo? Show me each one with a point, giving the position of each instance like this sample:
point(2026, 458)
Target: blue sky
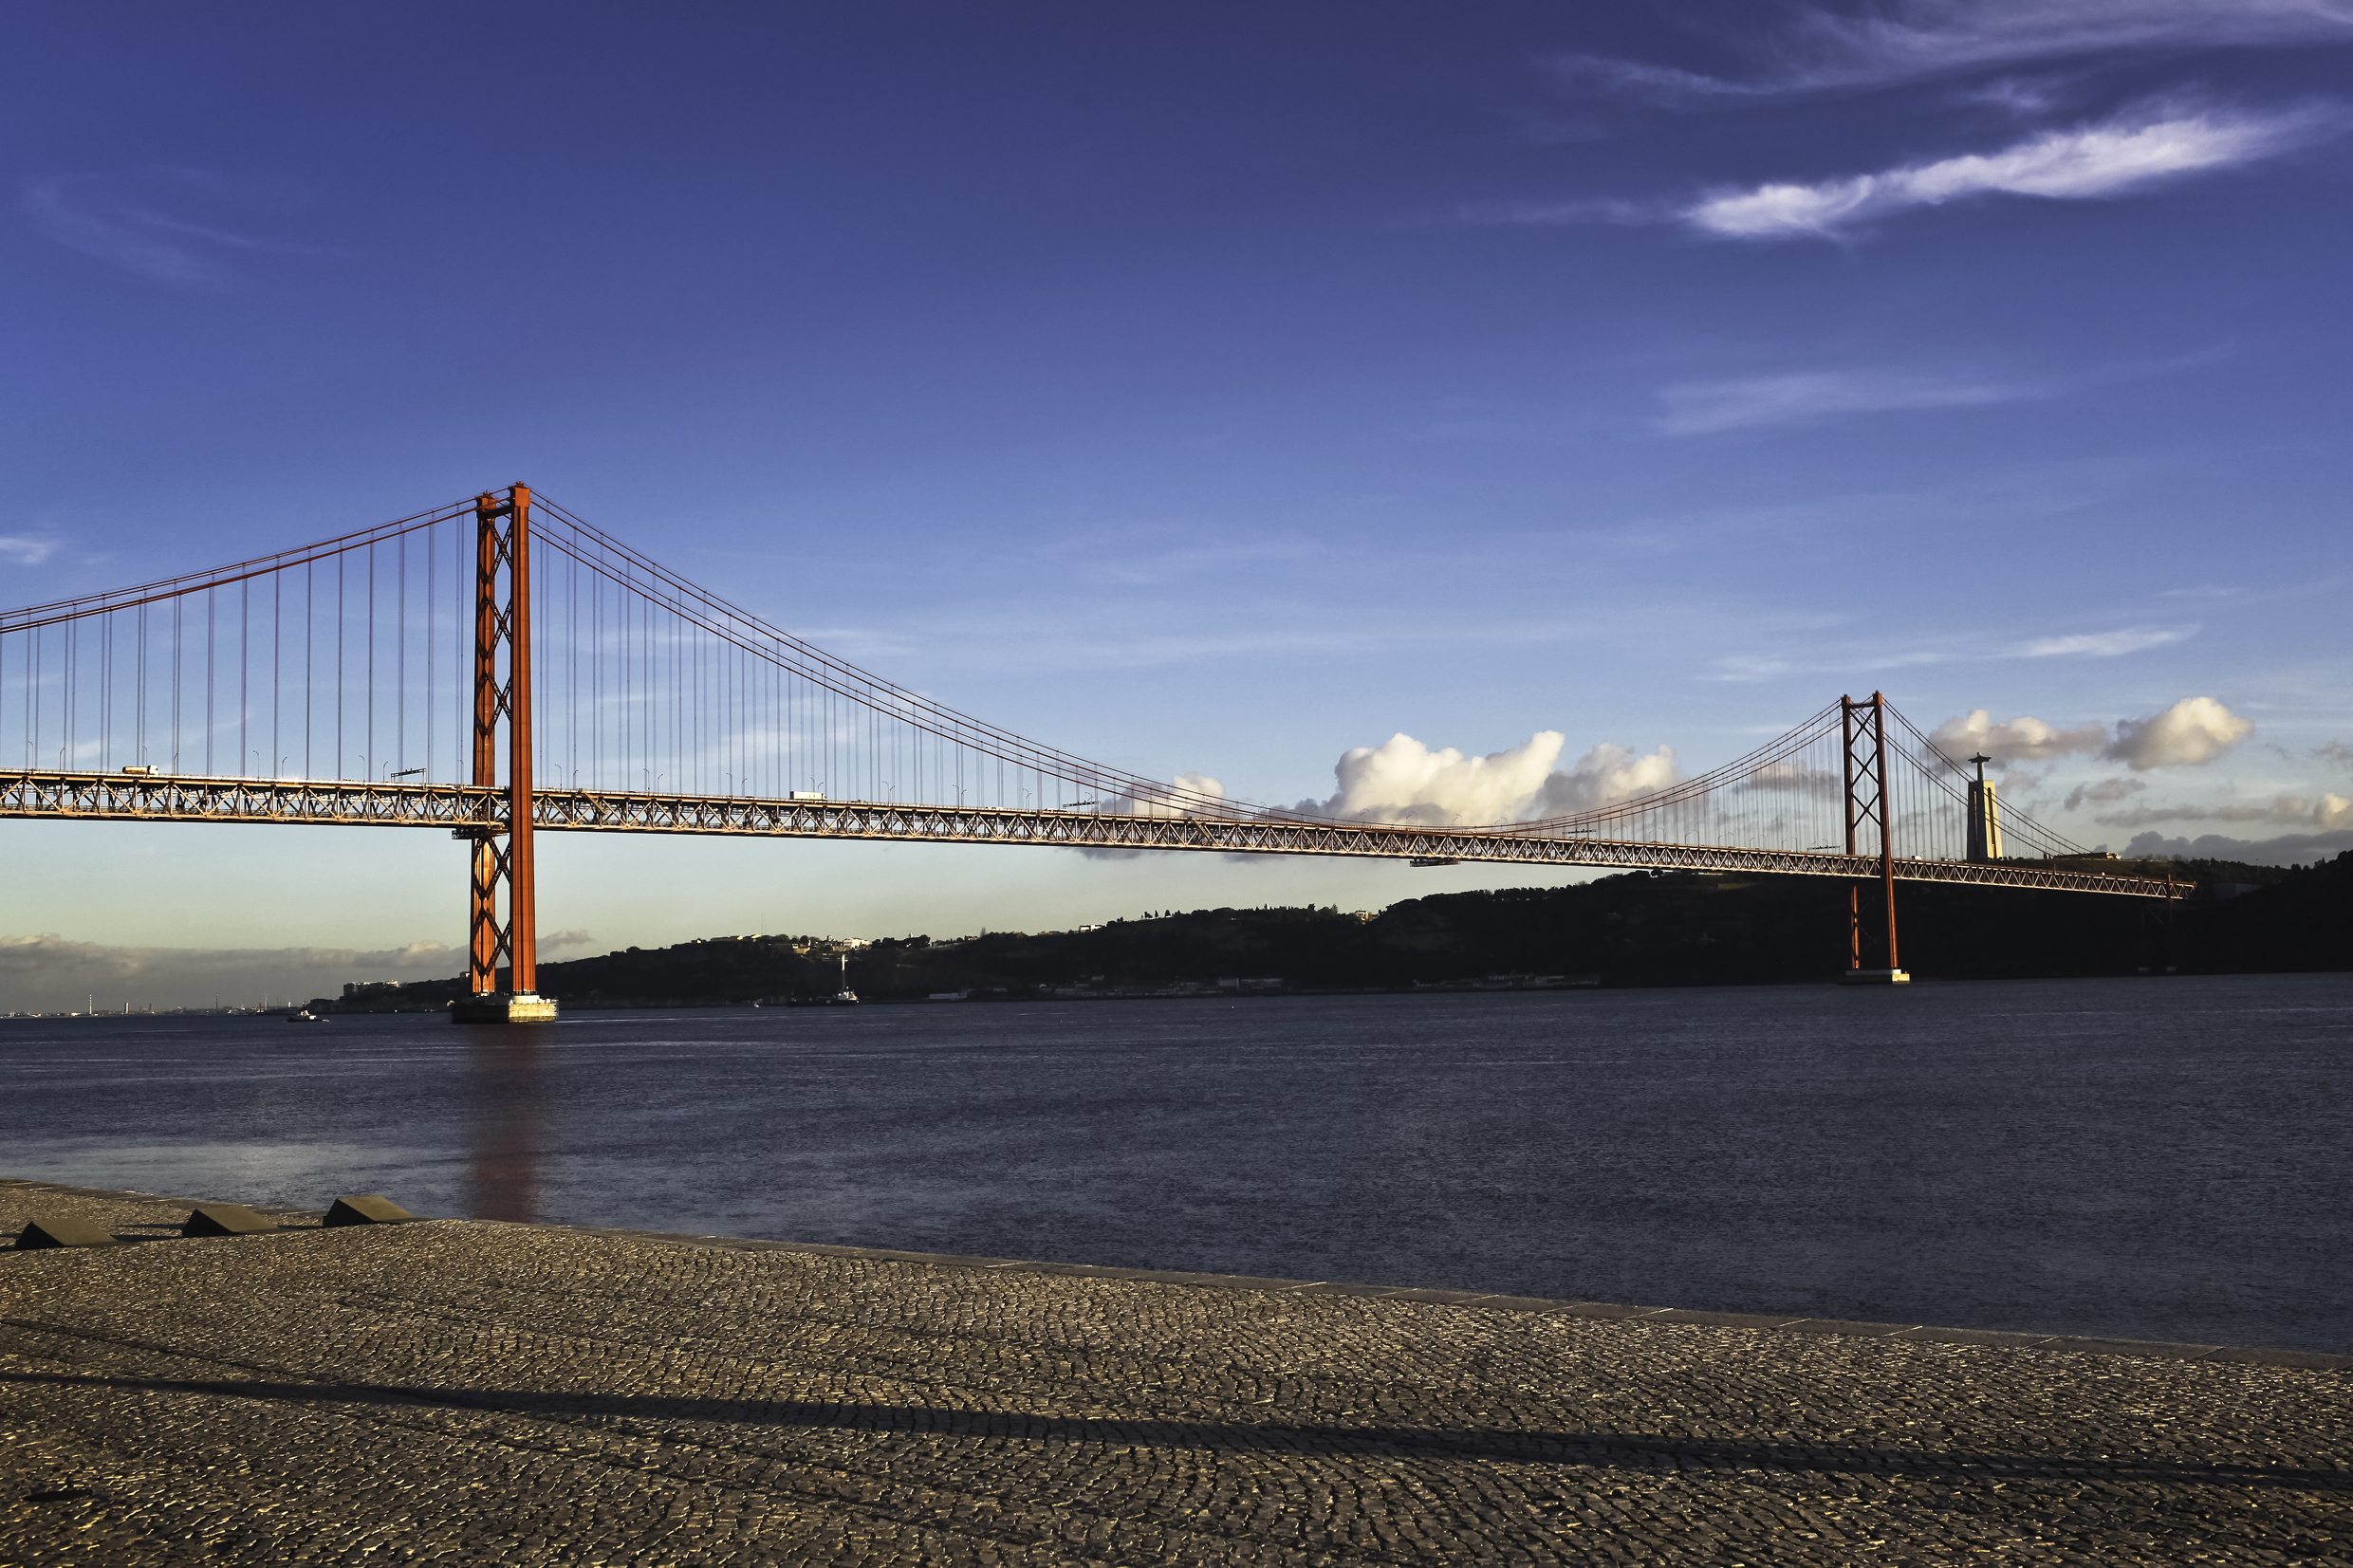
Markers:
point(1221, 388)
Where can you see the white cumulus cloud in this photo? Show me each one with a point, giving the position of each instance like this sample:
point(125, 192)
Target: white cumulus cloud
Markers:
point(2089, 161)
point(2191, 733)
point(24, 551)
point(1403, 780)
point(1604, 776)
point(1159, 805)
point(2024, 739)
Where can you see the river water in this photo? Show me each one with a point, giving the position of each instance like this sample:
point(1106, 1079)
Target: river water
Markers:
point(2144, 1159)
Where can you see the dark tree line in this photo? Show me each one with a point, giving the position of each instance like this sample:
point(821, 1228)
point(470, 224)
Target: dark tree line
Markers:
point(1638, 929)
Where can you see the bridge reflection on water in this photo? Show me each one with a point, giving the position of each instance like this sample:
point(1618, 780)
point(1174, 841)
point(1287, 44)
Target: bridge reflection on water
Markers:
point(507, 1084)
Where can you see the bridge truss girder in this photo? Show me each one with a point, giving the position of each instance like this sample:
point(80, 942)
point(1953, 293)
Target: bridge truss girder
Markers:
point(468, 810)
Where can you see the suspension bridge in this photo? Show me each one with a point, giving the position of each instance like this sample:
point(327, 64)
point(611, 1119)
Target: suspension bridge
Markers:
point(499, 667)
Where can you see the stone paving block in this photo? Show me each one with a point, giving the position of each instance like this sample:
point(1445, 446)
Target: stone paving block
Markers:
point(1609, 1309)
point(1837, 1325)
point(2128, 1347)
point(1720, 1320)
point(1078, 1269)
point(2002, 1338)
point(946, 1260)
point(2317, 1361)
point(1247, 1281)
point(1521, 1303)
point(1179, 1277)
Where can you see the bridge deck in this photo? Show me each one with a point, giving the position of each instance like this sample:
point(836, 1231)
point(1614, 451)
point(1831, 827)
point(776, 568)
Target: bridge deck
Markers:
point(180, 797)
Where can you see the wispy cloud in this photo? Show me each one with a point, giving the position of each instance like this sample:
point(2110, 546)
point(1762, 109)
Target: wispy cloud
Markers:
point(1135, 563)
point(163, 225)
point(2132, 639)
point(2328, 814)
point(1822, 657)
point(1567, 214)
point(2102, 792)
point(1696, 408)
point(2124, 155)
point(1851, 46)
point(1668, 86)
point(26, 551)
point(48, 970)
point(1701, 408)
point(2024, 97)
point(1914, 38)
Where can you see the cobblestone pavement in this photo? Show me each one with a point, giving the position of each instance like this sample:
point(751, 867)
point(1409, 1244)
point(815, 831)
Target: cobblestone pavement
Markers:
point(472, 1392)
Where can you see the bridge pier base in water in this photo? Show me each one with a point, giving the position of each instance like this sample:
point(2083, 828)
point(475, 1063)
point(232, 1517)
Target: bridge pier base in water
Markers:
point(1874, 977)
point(503, 1007)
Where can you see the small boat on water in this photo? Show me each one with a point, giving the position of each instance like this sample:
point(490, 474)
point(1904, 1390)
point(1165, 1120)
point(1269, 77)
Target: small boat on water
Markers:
point(843, 998)
point(304, 1015)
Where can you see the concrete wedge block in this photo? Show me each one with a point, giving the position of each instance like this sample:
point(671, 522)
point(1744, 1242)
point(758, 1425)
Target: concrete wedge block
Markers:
point(225, 1219)
point(375, 1209)
point(38, 1234)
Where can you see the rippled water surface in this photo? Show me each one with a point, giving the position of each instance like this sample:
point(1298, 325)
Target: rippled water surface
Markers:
point(2152, 1159)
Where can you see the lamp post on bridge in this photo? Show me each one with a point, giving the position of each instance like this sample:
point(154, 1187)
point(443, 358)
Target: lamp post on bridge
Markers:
point(502, 623)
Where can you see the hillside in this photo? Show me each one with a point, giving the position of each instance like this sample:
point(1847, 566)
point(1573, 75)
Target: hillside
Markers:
point(1636, 929)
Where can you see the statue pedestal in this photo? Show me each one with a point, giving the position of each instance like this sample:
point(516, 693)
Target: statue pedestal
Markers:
point(503, 1007)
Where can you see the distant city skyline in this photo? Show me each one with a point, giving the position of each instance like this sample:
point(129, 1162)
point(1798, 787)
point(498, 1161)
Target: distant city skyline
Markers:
point(1395, 408)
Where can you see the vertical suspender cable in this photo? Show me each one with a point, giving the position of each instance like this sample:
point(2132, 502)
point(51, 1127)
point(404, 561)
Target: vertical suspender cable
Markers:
point(596, 682)
point(310, 607)
point(139, 718)
point(432, 575)
point(571, 678)
point(367, 747)
point(400, 658)
point(277, 658)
